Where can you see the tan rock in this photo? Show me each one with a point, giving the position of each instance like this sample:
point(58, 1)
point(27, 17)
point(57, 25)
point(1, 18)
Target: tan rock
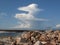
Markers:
point(43, 38)
point(38, 43)
point(18, 39)
point(53, 42)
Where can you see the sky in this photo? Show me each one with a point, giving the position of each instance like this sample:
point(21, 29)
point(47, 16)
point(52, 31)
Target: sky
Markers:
point(29, 14)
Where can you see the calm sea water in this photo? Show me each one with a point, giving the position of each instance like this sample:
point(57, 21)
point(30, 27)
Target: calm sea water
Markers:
point(10, 34)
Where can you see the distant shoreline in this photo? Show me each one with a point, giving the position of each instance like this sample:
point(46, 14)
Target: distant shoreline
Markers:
point(6, 30)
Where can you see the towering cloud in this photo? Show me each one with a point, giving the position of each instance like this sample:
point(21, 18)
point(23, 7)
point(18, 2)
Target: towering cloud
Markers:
point(26, 19)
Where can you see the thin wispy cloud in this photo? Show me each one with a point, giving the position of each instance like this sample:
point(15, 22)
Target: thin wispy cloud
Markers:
point(58, 26)
point(2, 14)
point(26, 19)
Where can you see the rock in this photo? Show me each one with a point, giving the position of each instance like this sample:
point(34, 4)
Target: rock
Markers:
point(43, 37)
point(59, 38)
point(53, 42)
point(18, 39)
point(38, 43)
point(33, 40)
point(43, 42)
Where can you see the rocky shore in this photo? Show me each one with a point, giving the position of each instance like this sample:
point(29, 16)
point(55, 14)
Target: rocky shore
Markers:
point(48, 37)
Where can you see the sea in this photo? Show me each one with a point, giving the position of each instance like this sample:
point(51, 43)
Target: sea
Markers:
point(10, 34)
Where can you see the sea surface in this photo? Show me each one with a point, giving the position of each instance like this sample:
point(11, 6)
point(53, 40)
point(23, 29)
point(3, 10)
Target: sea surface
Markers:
point(10, 34)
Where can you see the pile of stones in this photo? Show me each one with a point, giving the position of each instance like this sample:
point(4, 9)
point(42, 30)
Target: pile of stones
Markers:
point(49, 37)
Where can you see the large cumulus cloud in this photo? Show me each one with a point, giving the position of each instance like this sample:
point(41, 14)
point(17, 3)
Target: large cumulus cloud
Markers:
point(26, 19)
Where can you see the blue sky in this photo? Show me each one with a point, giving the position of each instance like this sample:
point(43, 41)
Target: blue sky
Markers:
point(48, 16)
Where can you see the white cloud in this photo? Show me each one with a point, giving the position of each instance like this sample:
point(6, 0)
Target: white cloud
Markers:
point(30, 8)
point(27, 18)
point(58, 25)
point(24, 16)
point(22, 25)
